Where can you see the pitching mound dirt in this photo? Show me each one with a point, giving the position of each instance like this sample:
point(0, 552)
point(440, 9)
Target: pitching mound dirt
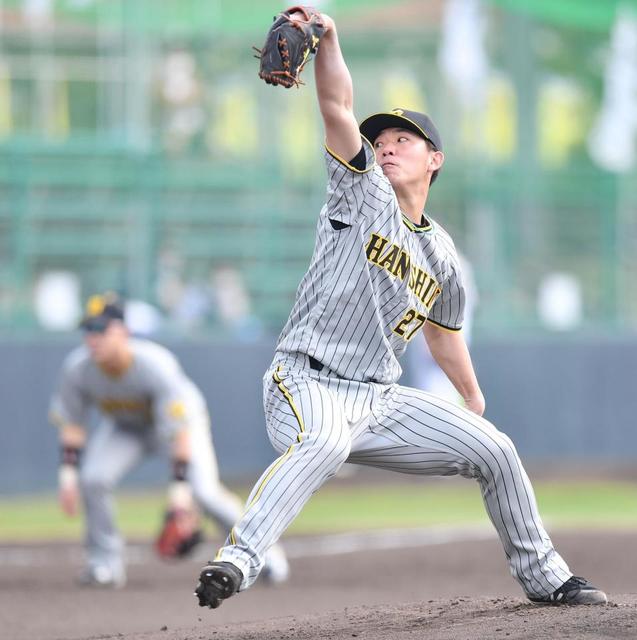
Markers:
point(445, 591)
point(462, 618)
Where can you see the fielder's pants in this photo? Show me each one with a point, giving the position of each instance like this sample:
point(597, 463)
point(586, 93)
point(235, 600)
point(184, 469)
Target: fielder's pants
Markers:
point(112, 452)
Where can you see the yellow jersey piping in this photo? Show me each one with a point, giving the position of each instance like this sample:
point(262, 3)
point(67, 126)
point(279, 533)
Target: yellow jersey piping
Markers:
point(410, 224)
point(347, 164)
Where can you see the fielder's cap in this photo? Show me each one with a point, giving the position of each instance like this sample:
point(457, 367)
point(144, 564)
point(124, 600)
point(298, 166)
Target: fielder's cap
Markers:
point(101, 310)
point(411, 120)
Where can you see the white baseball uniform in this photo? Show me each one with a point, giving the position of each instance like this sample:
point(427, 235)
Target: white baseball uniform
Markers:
point(331, 394)
point(141, 410)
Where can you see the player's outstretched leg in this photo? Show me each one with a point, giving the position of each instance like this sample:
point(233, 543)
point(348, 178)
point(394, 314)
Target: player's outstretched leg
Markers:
point(419, 433)
point(110, 454)
point(306, 424)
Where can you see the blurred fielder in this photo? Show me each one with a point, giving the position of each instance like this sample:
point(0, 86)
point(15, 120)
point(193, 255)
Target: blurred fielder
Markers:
point(382, 270)
point(147, 404)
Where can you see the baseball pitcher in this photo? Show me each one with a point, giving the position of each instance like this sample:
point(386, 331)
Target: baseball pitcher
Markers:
point(382, 270)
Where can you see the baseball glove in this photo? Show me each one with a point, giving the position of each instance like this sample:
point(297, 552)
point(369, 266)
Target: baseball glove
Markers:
point(179, 535)
point(291, 42)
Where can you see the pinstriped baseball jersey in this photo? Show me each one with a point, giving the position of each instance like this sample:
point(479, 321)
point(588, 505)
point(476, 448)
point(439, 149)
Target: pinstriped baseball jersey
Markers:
point(153, 390)
point(374, 279)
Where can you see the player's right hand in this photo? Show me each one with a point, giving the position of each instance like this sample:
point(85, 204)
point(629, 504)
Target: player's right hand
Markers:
point(475, 403)
point(69, 489)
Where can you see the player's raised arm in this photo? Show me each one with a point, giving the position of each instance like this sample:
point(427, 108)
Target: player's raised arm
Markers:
point(297, 34)
point(336, 95)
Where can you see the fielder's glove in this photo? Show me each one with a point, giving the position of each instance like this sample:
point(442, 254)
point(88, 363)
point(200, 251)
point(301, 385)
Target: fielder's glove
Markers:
point(291, 42)
point(181, 531)
point(179, 535)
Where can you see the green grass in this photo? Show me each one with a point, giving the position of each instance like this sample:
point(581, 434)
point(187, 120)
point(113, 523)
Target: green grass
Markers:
point(347, 507)
point(611, 504)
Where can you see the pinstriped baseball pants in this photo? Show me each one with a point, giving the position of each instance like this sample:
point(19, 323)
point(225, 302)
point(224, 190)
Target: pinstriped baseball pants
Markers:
point(317, 422)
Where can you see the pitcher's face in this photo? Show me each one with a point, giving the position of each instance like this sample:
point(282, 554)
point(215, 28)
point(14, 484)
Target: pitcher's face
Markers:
point(405, 157)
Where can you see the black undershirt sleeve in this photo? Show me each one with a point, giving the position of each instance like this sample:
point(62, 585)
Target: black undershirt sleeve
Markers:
point(358, 161)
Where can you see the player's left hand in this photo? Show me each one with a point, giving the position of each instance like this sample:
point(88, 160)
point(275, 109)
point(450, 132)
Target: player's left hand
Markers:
point(290, 43)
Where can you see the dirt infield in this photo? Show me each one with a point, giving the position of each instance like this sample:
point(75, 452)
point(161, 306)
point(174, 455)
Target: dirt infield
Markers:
point(442, 591)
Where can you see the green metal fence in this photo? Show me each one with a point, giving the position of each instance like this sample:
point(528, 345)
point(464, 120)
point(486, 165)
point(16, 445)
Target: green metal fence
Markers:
point(110, 172)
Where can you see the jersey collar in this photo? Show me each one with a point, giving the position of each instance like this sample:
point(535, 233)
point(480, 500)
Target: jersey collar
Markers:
point(417, 228)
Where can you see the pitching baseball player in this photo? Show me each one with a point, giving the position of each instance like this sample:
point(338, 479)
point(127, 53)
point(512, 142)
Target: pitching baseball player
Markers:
point(382, 270)
point(147, 404)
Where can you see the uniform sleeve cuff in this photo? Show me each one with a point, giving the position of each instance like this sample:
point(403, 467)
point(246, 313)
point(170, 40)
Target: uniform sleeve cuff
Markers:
point(369, 157)
point(442, 326)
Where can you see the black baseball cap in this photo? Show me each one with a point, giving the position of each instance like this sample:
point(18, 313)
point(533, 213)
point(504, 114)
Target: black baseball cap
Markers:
point(100, 310)
point(411, 120)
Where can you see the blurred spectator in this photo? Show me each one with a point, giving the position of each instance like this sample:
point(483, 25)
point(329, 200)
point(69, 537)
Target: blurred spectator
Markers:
point(195, 307)
point(38, 12)
point(233, 305)
point(169, 284)
point(181, 96)
point(187, 305)
point(57, 300)
point(613, 139)
point(559, 302)
point(142, 318)
point(462, 55)
point(222, 299)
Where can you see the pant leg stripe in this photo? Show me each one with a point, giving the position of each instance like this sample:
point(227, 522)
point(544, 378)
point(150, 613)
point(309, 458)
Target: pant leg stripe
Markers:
point(288, 396)
point(288, 453)
point(272, 471)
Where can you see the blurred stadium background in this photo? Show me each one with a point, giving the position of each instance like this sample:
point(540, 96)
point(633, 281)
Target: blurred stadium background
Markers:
point(139, 152)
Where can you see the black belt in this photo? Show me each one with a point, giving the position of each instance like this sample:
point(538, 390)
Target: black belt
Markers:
point(315, 364)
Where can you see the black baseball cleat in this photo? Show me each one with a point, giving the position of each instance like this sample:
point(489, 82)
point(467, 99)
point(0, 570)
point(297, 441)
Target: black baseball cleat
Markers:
point(574, 591)
point(217, 582)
